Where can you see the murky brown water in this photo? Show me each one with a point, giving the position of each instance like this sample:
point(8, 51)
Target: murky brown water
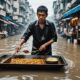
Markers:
point(62, 47)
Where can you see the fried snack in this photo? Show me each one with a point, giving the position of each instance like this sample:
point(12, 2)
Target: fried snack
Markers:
point(27, 61)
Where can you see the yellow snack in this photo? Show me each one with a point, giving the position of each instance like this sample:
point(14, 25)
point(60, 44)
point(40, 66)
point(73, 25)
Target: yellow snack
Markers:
point(27, 61)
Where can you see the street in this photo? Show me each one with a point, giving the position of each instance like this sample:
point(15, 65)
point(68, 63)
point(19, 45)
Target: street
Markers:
point(15, 17)
point(68, 50)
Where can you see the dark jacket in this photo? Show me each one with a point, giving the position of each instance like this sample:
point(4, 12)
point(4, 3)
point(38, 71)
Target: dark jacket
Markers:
point(41, 36)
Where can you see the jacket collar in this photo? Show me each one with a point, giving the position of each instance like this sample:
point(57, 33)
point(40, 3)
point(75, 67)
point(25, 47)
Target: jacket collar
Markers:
point(36, 24)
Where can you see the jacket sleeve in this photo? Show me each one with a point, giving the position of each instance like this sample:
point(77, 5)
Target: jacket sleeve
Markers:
point(27, 33)
point(53, 31)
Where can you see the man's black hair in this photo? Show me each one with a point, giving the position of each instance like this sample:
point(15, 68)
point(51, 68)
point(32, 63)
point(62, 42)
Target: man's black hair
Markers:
point(42, 9)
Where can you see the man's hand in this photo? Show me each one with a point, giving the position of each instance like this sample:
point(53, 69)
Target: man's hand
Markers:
point(18, 48)
point(42, 47)
point(22, 41)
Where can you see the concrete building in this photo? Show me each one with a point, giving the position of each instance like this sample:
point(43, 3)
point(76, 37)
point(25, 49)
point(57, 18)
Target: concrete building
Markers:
point(64, 11)
point(15, 9)
point(9, 7)
point(75, 3)
point(19, 10)
point(22, 12)
point(58, 9)
point(30, 14)
point(14, 13)
point(2, 7)
point(62, 6)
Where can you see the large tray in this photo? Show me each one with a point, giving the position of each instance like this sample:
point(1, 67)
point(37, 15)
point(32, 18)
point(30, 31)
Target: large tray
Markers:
point(7, 65)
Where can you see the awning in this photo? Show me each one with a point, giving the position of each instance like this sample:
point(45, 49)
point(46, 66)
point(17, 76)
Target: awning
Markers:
point(66, 19)
point(72, 11)
point(13, 23)
point(4, 21)
point(7, 18)
point(8, 22)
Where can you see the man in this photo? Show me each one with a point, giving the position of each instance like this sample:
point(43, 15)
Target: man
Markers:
point(43, 32)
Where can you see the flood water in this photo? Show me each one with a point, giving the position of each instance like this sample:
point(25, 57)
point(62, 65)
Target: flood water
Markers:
point(69, 51)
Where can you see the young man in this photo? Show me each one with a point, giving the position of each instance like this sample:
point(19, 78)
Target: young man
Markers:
point(43, 32)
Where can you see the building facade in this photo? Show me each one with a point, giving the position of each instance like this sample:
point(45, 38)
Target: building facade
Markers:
point(65, 12)
point(14, 15)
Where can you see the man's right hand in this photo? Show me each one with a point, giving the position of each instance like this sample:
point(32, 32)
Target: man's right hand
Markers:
point(18, 48)
point(19, 45)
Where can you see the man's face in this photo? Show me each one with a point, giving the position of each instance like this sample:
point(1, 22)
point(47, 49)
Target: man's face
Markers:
point(41, 16)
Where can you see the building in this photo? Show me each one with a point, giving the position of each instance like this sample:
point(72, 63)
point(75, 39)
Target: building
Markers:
point(64, 12)
point(14, 15)
point(15, 9)
point(2, 8)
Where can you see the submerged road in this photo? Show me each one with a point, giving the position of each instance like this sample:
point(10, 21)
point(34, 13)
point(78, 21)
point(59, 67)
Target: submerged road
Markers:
point(69, 51)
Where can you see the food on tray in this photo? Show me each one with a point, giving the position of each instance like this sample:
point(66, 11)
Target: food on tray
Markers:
point(52, 60)
point(27, 61)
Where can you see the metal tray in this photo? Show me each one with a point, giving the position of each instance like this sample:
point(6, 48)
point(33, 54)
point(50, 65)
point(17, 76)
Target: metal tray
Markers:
point(46, 66)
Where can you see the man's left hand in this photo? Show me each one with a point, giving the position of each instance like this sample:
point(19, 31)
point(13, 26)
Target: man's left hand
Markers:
point(42, 47)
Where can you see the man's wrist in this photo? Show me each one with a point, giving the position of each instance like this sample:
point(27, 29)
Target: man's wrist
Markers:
point(46, 44)
point(49, 42)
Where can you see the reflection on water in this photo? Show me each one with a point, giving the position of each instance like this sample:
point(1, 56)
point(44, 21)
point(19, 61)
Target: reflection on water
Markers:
point(69, 51)
point(31, 75)
point(9, 78)
point(8, 45)
point(23, 77)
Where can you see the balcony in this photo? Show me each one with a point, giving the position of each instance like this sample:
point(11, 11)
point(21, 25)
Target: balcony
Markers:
point(66, 1)
point(1, 6)
point(8, 2)
point(75, 3)
point(22, 6)
point(21, 15)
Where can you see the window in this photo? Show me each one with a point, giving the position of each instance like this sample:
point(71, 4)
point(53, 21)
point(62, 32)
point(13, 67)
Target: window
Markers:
point(15, 9)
